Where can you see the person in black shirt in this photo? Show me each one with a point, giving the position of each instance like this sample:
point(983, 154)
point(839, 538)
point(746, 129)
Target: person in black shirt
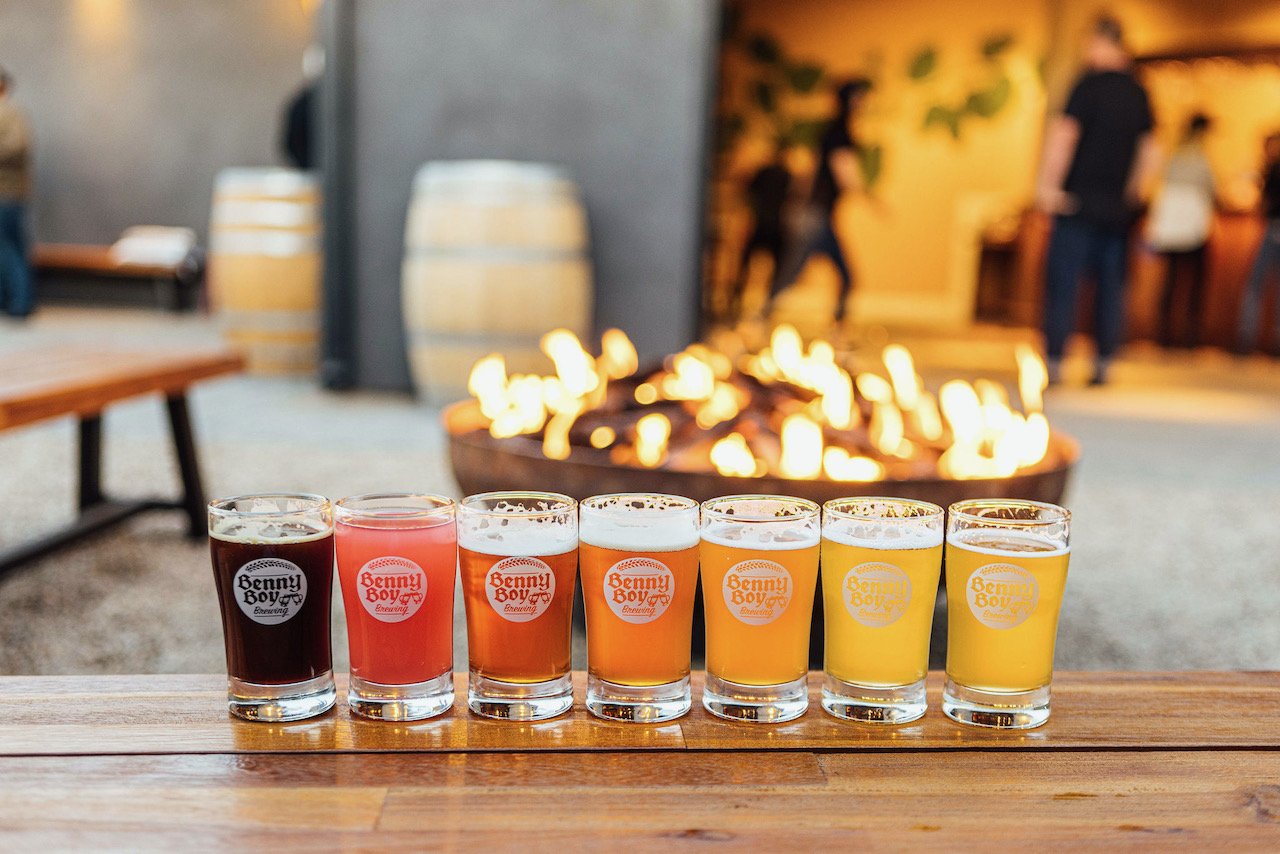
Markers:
point(1266, 266)
point(767, 193)
point(1099, 154)
point(837, 174)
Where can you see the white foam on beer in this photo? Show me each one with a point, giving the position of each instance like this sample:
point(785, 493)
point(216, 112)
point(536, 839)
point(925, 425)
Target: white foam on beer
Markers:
point(761, 536)
point(960, 539)
point(639, 532)
point(248, 530)
point(514, 536)
point(847, 533)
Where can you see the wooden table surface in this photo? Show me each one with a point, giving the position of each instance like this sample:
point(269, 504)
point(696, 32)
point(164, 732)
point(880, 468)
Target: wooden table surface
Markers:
point(1141, 760)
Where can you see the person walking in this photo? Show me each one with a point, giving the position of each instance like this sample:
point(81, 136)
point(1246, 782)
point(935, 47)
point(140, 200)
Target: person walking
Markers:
point(1266, 265)
point(767, 194)
point(837, 174)
point(1178, 231)
point(17, 297)
point(1099, 154)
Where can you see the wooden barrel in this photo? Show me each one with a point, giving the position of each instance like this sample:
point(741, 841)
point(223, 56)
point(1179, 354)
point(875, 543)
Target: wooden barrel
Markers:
point(495, 256)
point(264, 267)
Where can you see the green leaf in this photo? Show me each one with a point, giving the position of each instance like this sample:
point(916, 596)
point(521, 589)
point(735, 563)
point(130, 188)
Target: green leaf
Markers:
point(997, 44)
point(990, 101)
point(923, 63)
point(804, 77)
point(764, 97)
point(871, 160)
point(763, 48)
point(806, 132)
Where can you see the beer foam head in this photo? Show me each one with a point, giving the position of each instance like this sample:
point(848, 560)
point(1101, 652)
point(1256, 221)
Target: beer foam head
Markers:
point(1003, 542)
point(520, 527)
point(639, 523)
point(761, 522)
point(883, 523)
point(270, 518)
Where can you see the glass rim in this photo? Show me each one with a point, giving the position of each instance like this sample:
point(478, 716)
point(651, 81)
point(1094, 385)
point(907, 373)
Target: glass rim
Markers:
point(1056, 513)
point(685, 502)
point(444, 505)
point(219, 506)
point(567, 502)
point(829, 508)
point(810, 508)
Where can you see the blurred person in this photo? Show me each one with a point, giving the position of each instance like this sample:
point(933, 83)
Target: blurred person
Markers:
point(837, 174)
point(1098, 156)
point(297, 131)
point(1178, 231)
point(767, 193)
point(17, 296)
point(1266, 265)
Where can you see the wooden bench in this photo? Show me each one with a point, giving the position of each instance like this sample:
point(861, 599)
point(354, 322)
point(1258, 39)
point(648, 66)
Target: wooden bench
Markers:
point(82, 381)
point(1149, 761)
point(176, 285)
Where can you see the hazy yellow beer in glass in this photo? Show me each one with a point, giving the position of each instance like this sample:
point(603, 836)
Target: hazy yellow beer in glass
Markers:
point(881, 558)
point(759, 558)
point(1006, 570)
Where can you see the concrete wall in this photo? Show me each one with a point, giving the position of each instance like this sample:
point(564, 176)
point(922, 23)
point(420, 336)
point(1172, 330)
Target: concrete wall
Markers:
point(136, 104)
point(616, 91)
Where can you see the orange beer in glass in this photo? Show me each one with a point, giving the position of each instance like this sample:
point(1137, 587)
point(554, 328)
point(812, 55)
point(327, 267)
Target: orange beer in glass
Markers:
point(759, 571)
point(518, 556)
point(397, 561)
point(639, 555)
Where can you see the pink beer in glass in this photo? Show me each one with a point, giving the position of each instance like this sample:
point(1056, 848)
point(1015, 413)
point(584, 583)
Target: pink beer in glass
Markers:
point(397, 561)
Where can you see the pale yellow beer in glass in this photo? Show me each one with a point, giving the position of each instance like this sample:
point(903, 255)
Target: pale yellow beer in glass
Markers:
point(759, 557)
point(1006, 571)
point(881, 558)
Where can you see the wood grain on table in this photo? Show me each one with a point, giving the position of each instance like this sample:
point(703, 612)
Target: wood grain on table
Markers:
point(1142, 761)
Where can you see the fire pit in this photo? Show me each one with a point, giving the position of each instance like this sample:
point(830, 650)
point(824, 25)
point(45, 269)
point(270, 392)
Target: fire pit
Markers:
point(725, 418)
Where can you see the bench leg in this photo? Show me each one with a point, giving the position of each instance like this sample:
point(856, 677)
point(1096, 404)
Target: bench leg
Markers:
point(184, 447)
point(90, 461)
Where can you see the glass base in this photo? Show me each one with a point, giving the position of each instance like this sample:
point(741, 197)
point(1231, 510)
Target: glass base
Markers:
point(879, 705)
point(644, 705)
point(999, 709)
point(516, 701)
point(294, 701)
point(400, 702)
point(766, 704)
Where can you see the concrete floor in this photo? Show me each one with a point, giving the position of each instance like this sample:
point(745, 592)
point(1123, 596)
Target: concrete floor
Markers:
point(1175, 562)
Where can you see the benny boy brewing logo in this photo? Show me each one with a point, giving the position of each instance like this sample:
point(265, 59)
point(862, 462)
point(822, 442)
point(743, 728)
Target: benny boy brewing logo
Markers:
point(270, 590)
point(1002, 595)
point(639, 589)
point(876, 594)
point(520, 589)
point(757, 591)
point(391, 589)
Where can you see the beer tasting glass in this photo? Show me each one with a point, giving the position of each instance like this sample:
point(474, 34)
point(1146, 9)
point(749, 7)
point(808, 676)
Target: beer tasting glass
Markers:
point(639, 557)
point(397, 561)
point(881, 558)
point(759, 570)
point(518, 554)
point(1006, 569)
point(273, 566)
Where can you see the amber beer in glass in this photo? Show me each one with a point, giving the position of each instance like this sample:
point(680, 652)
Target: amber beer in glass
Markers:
point(397, 562)
point(881, 558)
point(639, 570)
point(518, 555)
point(1006, 570)
point(273, 567)
point(759, 570)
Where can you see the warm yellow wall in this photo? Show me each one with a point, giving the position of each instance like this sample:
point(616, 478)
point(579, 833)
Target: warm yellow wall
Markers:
point(903, 243)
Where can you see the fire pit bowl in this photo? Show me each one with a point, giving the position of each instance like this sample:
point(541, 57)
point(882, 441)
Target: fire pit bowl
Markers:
point(482, 463)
